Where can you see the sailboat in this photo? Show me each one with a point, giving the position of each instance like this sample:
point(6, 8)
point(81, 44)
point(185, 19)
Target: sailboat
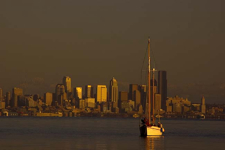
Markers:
point(147, 125)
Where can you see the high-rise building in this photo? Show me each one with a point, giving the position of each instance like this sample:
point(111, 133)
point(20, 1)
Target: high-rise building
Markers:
point(132, 88)
point(67, 84)
point(113, 92)
point(78, 93)
point(143, 89)
point(162, 88)
point(101, 93)
point(157, 103)
point(60, 93)
point(203, 107)
point(137, 99)
point(89, 91)
point(16, 93)
point(90, 102)
point(48, 97)
point(8, 99)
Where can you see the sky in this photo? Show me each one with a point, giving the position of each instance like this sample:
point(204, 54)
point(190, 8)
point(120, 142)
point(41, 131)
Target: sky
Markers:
point(93, 41)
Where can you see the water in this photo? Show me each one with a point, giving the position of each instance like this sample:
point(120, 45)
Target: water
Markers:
point(25, 133)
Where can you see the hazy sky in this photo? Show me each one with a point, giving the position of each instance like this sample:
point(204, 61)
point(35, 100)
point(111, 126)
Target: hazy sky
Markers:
point(94, 40)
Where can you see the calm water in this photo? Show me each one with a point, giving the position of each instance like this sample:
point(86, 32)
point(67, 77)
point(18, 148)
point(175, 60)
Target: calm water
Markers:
point(107, 133)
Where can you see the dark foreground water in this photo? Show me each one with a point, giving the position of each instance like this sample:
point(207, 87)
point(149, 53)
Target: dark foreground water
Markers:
point(26, 133)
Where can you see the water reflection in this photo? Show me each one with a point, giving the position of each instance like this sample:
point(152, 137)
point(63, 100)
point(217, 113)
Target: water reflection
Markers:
point(154, 142)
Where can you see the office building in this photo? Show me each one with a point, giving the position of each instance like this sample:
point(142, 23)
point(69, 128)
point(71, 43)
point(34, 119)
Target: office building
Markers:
point(78, 93)
point(8, 99)
point(162, 87)
point(48, 98)
point(16, 94)
point(101, 93)
point(89, 92)
point(60, 94)
point(67, 84)
point(132, 88)
point(113, 92)
point(203, 107)
point(90, 102)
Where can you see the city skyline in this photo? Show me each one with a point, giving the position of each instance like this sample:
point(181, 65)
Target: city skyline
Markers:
point(91, 42)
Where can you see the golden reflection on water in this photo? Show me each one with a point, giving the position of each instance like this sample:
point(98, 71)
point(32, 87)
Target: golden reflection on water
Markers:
point(154, 142)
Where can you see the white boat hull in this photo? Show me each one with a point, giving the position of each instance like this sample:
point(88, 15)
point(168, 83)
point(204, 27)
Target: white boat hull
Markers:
point(154, 130)
point(151, 131)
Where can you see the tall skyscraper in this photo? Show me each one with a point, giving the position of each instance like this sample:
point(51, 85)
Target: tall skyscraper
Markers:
point(8, 99)
point(16, 93)
point(132, 88)
point(113, 92)
point(67, 84)
point(203, 107)
point(60, 93)
point(143, 90)
point(78, 92)
point(89, 91)
point(137, 98)
point(101, 93)
point(162, 88)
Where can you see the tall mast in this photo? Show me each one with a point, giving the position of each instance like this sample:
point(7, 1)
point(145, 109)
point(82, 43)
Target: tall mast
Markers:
point(153, 94)
point(149, 87)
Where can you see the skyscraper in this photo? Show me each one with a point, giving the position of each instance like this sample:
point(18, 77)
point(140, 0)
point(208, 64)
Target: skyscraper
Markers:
point(203, 107)
point(162, 88)
point(16, 93)
point(137, 98)
point(78, 92)
point(101, 93)
point(8, 99)
point(113, 92)
point(67, 84)
point(60, 93)
point(132, 88)
point(89, 91)
point(143, 89)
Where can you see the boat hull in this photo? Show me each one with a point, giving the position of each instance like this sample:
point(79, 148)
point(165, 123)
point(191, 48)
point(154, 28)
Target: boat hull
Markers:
point(151, 130)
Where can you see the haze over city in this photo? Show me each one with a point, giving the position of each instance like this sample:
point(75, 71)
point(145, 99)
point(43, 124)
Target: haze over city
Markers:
point(93, 41)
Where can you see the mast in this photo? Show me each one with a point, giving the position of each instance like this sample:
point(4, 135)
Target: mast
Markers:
point(153, 94)
point(149, 87)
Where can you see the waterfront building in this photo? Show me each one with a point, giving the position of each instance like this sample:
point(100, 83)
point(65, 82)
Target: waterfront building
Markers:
point(48, 98)
point(101, 93)
point(89, 92)
point(113, 92)
point(203, 106)
point(178, 105)
point(162, 87)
